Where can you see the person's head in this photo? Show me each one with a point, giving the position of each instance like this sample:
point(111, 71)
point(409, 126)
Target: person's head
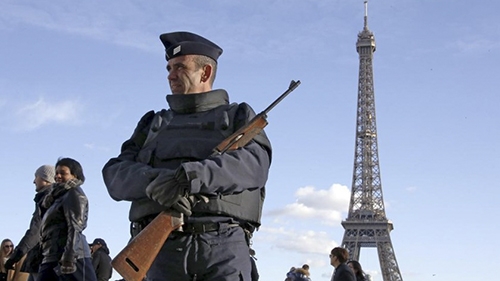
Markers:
point(338, 255)
point(191, 62)
point(304, 269)
point(355, 266)
point(98, 243)
point(67, 169)
point(44, 176)
point(7, 247)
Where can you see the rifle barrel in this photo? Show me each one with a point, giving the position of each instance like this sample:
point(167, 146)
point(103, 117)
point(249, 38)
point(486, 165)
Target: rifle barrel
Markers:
point(293, 85)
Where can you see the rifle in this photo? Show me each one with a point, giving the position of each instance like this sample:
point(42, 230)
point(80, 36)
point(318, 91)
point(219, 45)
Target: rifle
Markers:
point(134, 261)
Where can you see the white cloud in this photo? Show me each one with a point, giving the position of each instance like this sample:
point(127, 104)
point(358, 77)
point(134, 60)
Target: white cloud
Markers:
point(101, 21)
point(478, 45)
point(304, 226)
point(93, 146)
point(324, 205)
point(132, 24)
point(313, 242)
point(40, 113)
point(411, 189)
point(335, 198)
point(298, 246)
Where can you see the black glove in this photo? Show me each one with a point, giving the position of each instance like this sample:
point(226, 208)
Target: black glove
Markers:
point(13, 259)
point(168, 186)
point(68, 267)
point(186, 203)
point(9, 264)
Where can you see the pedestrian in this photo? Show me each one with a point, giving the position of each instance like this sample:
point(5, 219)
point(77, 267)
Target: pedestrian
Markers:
point(168, 164)
point(66, 255)
point(358, 271)
point(300, 274)
point(101, 259)
point(303, 273)
point(338, 259)
point(5, 253)
point(29, 244)
point(290, 274)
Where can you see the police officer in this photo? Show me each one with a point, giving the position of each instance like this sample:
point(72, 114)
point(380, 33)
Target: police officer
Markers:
point(168, 163)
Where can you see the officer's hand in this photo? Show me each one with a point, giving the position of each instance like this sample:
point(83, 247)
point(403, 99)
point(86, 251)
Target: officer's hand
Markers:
point(9, 264)
point(68, 267)
point(168, 187)
point(186, 203)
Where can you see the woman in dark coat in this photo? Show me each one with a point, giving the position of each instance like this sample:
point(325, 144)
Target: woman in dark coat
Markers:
point(66, 255)
point(358, 271)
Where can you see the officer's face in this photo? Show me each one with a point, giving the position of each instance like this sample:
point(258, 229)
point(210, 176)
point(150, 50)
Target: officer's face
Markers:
point(184, 76)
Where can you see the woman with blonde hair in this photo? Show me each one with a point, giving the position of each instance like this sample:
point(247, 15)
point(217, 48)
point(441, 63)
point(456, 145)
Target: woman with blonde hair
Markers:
point(5, 252)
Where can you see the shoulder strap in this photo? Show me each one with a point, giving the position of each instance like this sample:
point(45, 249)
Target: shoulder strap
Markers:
point(159, 122)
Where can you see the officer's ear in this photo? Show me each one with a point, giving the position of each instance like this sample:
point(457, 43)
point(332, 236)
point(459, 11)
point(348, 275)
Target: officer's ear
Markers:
point(207, 73)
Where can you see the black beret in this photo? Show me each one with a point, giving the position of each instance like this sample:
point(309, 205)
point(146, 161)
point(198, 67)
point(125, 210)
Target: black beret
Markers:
point(186, 43)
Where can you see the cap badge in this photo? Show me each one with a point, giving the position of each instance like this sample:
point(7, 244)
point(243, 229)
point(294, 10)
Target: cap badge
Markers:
point(176, 50)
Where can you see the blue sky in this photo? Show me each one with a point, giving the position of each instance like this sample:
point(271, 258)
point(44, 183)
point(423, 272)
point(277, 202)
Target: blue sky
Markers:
point(75, 77)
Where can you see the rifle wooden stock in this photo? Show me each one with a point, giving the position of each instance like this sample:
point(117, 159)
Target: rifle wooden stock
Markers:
point(244, 135)
point(134, 261)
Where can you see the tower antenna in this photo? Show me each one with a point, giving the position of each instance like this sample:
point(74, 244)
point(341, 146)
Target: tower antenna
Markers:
point(366, 14)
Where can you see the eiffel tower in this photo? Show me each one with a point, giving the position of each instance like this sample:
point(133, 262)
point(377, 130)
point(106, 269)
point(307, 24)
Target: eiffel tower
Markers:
point(366, 224)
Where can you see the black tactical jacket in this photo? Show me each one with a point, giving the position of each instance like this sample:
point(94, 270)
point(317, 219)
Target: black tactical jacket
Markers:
point(187, 133)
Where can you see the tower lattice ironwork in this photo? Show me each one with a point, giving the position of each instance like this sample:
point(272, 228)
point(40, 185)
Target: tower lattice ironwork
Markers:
point(366, 224)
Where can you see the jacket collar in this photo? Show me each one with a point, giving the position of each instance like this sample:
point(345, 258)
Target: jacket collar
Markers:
point(201, 102)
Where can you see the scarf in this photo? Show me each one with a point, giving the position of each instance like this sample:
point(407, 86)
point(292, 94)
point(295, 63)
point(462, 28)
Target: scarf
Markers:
point(58, 190)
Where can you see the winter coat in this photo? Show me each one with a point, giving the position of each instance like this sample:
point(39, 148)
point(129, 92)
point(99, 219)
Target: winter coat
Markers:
point(102, 263)
point(299, 274)
point(343, 273)
point(65, 211)
point(29, 243)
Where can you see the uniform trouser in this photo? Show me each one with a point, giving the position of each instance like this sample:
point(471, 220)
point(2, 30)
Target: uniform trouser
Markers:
point(211, 256)
point(51, 272)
